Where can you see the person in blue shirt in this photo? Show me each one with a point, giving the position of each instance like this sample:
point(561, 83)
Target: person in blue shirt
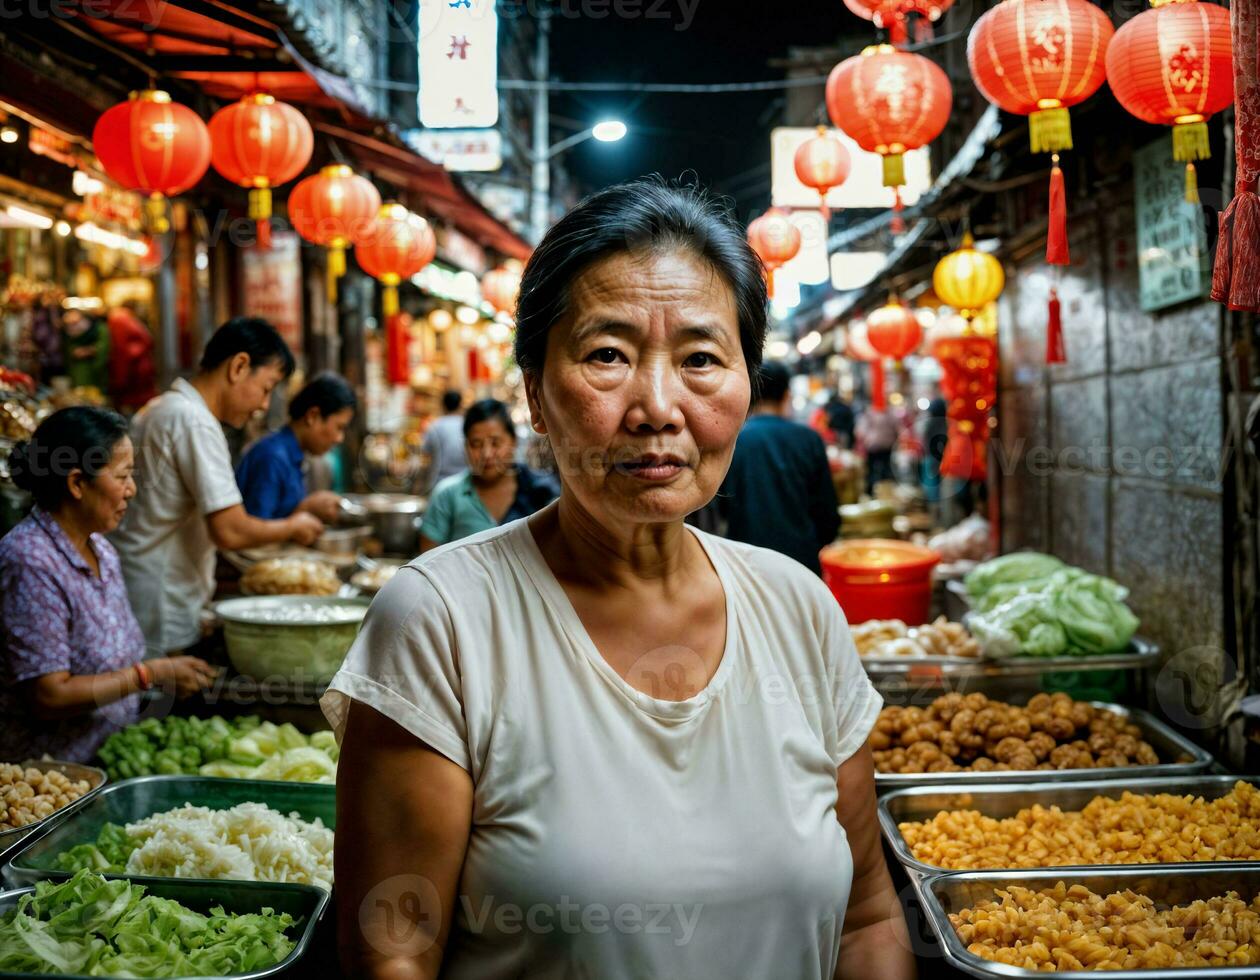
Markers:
point(493, 490)
point(270, 472)
point(778, 492)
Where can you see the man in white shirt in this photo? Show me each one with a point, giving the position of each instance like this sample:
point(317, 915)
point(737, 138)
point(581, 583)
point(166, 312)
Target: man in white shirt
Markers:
point(188, 502)
point(444, 442)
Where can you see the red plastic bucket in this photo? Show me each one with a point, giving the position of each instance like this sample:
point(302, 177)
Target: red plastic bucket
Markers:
point(873, 578)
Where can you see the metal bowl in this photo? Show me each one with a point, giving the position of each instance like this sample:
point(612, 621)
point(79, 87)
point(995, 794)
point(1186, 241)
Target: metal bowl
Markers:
point(291, 638)
point(96, 778)
point(394, 518)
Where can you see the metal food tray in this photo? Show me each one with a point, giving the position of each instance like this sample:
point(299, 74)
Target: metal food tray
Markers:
point(74, 770)
point(305, 903)
point(134, 799)
point(1166, 742)
point(1138, 655)
point(1167, 885)
point(925, 802)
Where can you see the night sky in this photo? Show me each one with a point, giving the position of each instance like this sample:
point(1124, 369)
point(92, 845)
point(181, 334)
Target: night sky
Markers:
point(725, 138)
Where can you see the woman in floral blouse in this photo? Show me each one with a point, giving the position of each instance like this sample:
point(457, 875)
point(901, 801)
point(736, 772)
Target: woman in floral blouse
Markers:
point(71, 652)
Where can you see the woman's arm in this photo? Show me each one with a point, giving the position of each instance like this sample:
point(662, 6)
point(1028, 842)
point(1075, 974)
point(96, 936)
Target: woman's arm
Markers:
point(875, 942)
point(64, 695)
point(403, 817)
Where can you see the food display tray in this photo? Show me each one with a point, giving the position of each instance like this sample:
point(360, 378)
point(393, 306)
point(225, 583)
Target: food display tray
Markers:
point(134, 799)
point(1166, 742)
point(304, 902)
point(1165, 884)
point(925, 802)
point(97, 778)
point(1139, 655)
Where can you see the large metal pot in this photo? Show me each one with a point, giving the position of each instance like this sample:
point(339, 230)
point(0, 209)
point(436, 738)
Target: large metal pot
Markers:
point(394, 517)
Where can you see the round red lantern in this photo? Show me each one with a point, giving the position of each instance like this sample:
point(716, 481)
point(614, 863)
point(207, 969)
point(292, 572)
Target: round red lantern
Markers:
point(332, 208)
point(893, 330)
point(889, 101)
point(260, 143)
point(822, 162)
point(1036, 58)
point(396, 246)
point(891, 14)
point(500, 288)
point(1173, 66)
point(775, 240)
point(152, 145)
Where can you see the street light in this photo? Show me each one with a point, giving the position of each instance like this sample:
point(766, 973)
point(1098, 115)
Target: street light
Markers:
point(606, 131)
point(609, 131)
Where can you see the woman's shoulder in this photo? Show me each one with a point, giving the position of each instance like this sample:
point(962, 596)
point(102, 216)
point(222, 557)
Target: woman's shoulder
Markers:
point(27, 547)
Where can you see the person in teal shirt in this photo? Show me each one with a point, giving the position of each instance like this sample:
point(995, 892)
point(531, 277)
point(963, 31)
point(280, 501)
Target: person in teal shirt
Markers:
point(493, 490)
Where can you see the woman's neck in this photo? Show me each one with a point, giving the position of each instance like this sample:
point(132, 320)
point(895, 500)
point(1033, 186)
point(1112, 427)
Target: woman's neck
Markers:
point(79, 534)
point(484, 484)
point(588, 549)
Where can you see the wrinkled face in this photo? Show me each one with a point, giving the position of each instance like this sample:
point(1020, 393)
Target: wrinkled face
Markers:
point(321, 432)
point(490, 448)
point(249, 388)
point(644, 387)
point(101, 502)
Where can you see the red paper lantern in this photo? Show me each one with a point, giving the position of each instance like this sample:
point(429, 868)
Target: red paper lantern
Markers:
point(152, 145)
point(1037, 58)
point(893, 330)
point(891, 14)
point(501, 287)
point(889, 101)
point(822, 162)
point(332, 208)
point(396, 246)
point(1173, 66)
point(775, 240)
point(260, 143)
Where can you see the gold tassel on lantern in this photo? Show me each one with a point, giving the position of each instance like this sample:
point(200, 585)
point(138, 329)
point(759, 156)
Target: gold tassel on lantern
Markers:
point(1050, 128)
point(336, 268)
point(260, 214)
point(155, 212)
point(1190, 143)
point(389, 295)
point(894, 170)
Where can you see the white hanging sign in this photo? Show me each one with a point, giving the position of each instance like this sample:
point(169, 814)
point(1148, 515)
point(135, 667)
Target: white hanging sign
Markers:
point(459, 59)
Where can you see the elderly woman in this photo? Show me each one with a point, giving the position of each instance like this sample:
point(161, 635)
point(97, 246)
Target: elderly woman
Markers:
point(493, 490)
point(596, 742)
point(71, 650)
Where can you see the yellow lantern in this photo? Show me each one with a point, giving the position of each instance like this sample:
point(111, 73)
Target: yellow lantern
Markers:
point(968, 280)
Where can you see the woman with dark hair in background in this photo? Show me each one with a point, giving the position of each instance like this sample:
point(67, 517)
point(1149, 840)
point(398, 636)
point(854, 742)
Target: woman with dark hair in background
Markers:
point(270, 473)
point(70, 649)
point(493, 490)
point(571, 714)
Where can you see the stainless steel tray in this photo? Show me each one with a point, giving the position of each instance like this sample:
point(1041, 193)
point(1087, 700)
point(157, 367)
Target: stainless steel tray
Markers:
point(97, 778)
point(1163, 740)
point(1167, 885)
point(304, 902)
point(1139, 655)
point(925, 802)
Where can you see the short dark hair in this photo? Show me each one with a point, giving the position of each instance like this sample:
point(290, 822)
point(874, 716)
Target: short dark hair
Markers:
point(451, 400)
point(329, 393)
point(773, 379)
point(248, 335)
point(79, 438)
point(488, 410)
point(645, 214)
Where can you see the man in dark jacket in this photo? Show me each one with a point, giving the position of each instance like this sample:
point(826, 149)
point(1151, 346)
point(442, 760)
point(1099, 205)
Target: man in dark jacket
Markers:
point(779, 493)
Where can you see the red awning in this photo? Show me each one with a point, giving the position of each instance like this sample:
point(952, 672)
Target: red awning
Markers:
point(228, 52)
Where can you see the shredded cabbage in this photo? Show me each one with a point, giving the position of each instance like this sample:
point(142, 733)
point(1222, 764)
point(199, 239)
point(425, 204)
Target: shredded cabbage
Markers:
point(250, 841)
point(110, 928)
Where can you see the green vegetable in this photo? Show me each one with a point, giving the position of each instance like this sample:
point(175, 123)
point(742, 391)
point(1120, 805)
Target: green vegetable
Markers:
point(304, 765)
point(1094, 616)
point(107, 855)
point(1021, 571)
point(93, 926)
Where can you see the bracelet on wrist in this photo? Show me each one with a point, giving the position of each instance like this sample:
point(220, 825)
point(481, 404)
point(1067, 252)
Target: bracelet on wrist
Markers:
point(145, 676)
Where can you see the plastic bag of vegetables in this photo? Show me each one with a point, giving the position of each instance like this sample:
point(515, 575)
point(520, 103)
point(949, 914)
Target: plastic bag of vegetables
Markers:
point(1025, 624)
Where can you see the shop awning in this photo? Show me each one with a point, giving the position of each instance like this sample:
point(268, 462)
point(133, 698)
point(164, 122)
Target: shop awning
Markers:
point(228, 52)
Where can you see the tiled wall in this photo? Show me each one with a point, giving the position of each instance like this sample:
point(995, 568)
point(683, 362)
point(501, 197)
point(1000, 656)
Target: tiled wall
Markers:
point(1112, 461)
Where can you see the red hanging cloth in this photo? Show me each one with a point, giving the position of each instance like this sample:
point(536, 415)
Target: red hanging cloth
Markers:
point(1236, 274)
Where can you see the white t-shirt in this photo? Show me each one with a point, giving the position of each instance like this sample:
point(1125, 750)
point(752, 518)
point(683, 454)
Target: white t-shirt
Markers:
point(617, 836)
point(183, 473)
